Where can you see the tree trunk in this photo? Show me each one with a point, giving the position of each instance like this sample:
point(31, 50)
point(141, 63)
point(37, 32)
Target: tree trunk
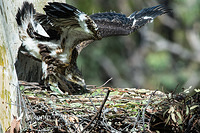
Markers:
point(9, 44)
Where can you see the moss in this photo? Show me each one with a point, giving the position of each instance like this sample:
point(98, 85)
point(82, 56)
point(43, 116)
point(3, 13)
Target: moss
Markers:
point(4, 85)
point(2, 55)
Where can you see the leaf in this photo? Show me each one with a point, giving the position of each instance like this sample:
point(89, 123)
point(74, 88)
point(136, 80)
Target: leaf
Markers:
point(76, 104)
point(188, 90)
point(187, 110)
point(56, 89)
point(165, 112)
point(110, 102)
point(142, 91)
point(120, 105)
point(167, 120)
point(170, 95)
point(193, 107)
point(157, 102)
point(173, 117)
point(180, 121)
point(114, 93)
point(22, 88)
point(197, 90)
point(50, 102)
point(56, 122)
point(171, 110)
point(98, 92)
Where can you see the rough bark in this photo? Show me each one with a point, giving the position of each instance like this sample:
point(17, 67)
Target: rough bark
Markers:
point(9, 44)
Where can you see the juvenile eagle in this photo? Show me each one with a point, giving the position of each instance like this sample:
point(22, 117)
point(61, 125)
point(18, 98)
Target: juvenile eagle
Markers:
point(57, 37)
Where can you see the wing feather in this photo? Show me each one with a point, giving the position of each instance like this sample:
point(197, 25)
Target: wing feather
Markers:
point(64, 15)
point(69, 22)
point(112, 24)
point(115, 24)
point(60, 10)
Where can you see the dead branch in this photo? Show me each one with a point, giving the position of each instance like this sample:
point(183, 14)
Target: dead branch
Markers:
point(99, 111)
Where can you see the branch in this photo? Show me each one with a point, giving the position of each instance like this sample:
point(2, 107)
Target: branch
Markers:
point(97, 113)
point(105, 82)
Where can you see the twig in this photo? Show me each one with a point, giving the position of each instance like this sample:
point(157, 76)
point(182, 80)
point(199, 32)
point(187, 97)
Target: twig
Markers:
point(105, 83)
point(30, 84)
point(97, 113)
point(93, 104)
point(137, 119)
point(176, 88)
point(143, 113)
point(189, 124)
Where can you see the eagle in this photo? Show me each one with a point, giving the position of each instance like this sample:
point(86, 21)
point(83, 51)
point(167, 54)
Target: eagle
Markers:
point(57, 37)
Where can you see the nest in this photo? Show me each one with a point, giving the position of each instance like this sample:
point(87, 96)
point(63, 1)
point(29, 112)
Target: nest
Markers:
point(106, 109)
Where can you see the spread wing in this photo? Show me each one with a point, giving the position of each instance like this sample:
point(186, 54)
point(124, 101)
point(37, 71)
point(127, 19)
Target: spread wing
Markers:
point(114, 24)
point(61, 17)
point(67, 20)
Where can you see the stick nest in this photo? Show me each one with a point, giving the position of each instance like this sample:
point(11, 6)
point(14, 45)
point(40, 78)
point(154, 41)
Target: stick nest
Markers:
point(106, 109)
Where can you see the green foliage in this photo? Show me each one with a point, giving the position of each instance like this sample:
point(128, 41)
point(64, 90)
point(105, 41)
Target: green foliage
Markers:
point(159, 61)
point(188, 11)
point(22, 88)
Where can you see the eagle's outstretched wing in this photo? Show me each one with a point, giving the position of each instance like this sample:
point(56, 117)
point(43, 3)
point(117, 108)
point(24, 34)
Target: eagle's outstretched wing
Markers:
point(117, 24)
point(64, 17)
point(113, 24)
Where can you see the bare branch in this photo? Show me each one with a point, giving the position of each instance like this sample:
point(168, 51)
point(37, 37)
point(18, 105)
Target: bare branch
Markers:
point(97, 113)
point(105, 82)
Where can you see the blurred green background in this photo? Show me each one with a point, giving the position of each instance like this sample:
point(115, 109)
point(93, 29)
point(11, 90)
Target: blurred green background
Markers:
point(161, 55)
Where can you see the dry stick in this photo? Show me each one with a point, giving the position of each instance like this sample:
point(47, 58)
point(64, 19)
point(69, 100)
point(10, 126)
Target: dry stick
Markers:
point(189, 124)
point(137, 119)
point(93, 104)
point(97, 113)
point(105, 83)
point(101, 85)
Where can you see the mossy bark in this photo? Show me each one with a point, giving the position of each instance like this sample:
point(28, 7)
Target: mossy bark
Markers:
point(8, 48)
point(9, 44)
